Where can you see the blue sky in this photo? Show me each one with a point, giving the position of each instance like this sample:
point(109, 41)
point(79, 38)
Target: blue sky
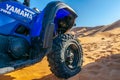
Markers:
point(90, 12)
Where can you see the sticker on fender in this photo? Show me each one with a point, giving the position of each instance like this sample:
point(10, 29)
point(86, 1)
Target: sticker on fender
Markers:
point(5, 11)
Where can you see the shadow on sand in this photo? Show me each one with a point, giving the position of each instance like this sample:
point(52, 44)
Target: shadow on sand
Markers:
point(6, 77)
point(105, 68)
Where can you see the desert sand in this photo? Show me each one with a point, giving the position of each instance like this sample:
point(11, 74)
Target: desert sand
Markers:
point(101, 60)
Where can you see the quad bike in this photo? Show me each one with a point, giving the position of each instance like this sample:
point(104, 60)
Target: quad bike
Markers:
point(27, 35)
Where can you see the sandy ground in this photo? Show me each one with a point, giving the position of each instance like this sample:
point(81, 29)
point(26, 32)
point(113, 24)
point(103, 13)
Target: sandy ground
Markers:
point(101, 62)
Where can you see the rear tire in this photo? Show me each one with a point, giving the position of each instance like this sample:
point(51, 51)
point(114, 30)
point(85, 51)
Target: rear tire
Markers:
point(66, 57)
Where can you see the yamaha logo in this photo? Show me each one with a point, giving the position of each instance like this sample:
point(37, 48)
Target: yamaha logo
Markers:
point(25, 12)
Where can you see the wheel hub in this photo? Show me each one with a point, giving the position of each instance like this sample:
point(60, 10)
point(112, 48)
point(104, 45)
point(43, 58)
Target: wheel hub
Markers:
point(71, 57)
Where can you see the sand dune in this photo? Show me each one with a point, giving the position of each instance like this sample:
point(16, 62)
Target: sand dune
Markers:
point(89, 31)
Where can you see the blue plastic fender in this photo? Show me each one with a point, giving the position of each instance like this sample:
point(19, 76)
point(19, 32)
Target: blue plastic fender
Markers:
point(17, 11)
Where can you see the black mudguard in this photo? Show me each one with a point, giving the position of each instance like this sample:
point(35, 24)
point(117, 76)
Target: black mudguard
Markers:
point(48, 21)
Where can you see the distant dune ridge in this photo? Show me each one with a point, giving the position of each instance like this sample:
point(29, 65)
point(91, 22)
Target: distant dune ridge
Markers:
point(89, 31)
